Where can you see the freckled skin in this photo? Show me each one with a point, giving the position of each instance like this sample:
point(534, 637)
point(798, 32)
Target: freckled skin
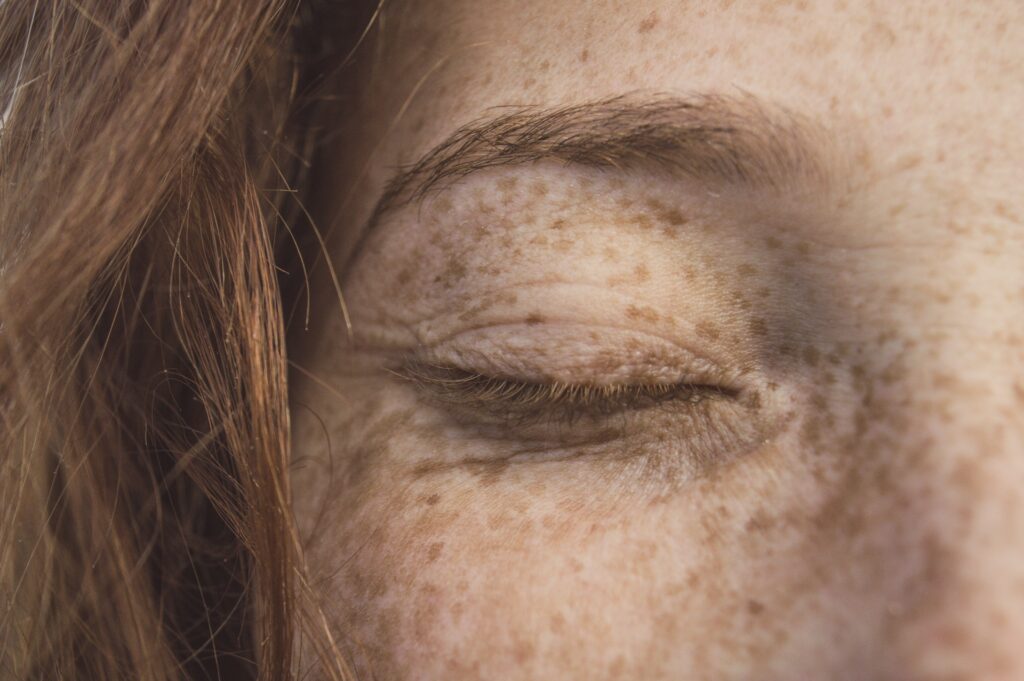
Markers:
point(863, 518)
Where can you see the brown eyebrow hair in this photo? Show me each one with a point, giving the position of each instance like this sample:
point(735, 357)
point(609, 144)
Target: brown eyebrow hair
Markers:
point(711, 138)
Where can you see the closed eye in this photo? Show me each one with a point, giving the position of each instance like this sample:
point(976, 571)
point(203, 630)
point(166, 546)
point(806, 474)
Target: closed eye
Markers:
point(518, 401)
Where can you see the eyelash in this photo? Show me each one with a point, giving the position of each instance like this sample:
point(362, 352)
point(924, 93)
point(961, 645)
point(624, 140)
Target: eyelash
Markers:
point(519, 402)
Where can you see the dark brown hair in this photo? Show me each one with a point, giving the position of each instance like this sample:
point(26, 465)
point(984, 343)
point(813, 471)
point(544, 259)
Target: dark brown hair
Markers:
point(150, 156)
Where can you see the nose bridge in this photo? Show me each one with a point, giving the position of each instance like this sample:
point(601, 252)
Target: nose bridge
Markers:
point(962, 470)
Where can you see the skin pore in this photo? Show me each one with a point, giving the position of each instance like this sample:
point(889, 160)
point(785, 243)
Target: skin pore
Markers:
point(749, 411)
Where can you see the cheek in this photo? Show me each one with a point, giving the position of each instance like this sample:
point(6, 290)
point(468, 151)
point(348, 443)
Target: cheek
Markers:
point(573, 569)
point(471, 573)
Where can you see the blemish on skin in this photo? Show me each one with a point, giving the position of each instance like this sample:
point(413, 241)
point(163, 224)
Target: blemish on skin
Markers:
point(753, 401)
point(539, 188)
point(558, 224)
point(674, 217)
point(746, 270)
point(534, 318)
point(523, 651)
point(706, 329)
point(772, 242)
point(643, 221)
point(584, 55)
point(642, 273)
point(648, 23)
point(644, 313)
point(755, 607)
point(507, 184)
point(434, 551)
point(432, 500)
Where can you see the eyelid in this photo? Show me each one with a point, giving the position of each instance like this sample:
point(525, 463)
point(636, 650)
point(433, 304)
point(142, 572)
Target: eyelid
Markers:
point(578, 354)
point(513, 399)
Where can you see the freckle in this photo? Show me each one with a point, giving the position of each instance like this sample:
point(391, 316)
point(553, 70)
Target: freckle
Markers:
point(584, 55)
point(708, 330)
point(755, 607)
point(1018, 391)
point(434, 551)
point(746, 270)
point(545, 65)
point(523, 651)
point(644, 313)
point(624, 203)
point(772, 242)
point(563, 245)
point(404, 277)
point(648, 23)
point(558, 623)
point(811, 356)
point(642, 221)
point(498, 520)
point(432, 500)
point(528, 83)
point(507, 184)
point(803, 248)
point(484, 208)
point(753, 401)
point(674, 217)
point(810, 433)
point(759, 327)
point(641, 272)
point(558, 224)
point(539, 188)
point(533, 319)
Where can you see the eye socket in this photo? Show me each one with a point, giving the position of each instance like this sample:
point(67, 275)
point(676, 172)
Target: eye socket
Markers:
point(521, 402)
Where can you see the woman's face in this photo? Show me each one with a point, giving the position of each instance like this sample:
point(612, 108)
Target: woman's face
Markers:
point(707, 365)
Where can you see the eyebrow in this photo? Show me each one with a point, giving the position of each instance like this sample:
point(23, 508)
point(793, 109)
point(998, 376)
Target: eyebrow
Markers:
point(736, 140)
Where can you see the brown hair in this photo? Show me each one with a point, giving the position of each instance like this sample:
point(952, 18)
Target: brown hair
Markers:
point(150, 153)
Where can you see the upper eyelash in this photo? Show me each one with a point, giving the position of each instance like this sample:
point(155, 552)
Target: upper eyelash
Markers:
point(512, 398)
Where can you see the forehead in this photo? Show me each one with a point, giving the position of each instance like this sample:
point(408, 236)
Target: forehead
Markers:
point(922, 83)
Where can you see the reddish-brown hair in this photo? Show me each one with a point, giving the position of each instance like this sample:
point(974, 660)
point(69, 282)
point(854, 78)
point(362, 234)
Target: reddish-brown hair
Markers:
point(149, 155)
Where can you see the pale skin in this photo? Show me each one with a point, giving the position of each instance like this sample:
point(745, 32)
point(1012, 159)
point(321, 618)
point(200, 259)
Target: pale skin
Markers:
point(848, 505)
